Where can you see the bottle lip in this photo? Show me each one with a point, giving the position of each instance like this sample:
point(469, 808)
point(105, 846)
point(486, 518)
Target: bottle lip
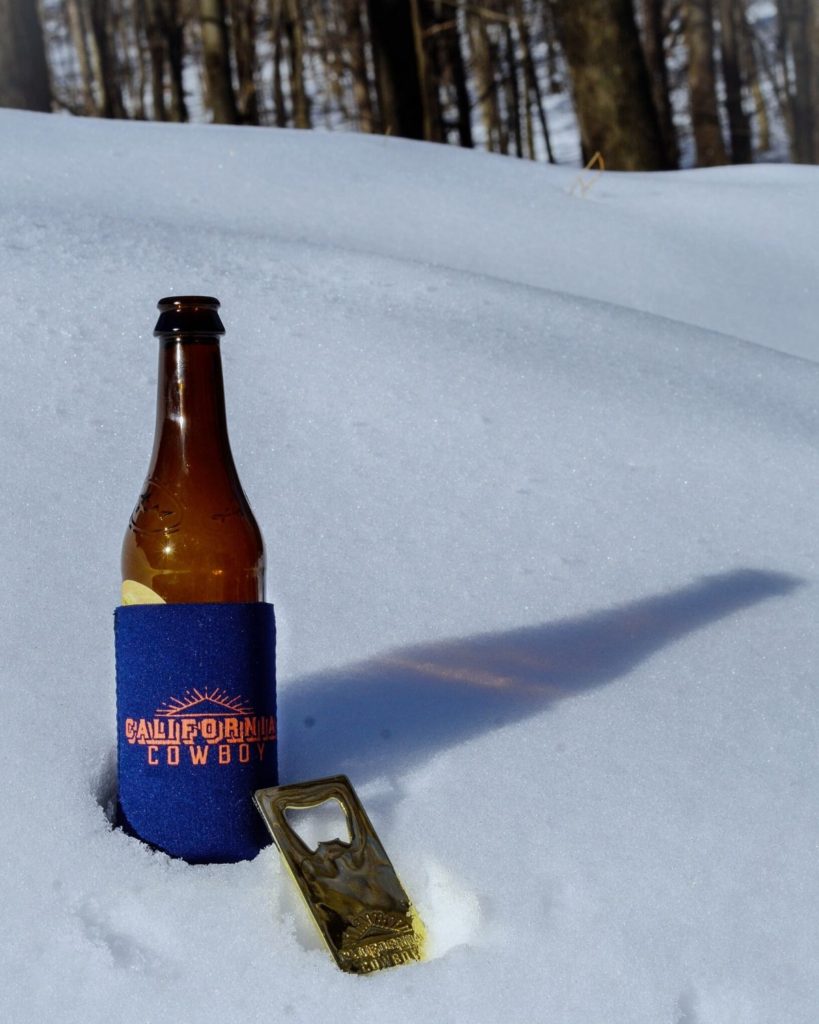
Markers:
point(188, 314)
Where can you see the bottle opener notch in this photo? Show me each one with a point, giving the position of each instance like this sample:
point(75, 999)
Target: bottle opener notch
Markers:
point(351, 888)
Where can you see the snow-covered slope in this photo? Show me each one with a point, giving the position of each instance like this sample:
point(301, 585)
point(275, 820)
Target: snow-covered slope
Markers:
point(545, 569)
point(729, 249)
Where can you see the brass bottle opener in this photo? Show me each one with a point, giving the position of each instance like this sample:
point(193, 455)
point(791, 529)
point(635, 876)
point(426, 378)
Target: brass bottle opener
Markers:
point(351, 888)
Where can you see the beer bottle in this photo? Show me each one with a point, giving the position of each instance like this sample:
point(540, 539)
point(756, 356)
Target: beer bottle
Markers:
point(194, 637)
point(192, 537)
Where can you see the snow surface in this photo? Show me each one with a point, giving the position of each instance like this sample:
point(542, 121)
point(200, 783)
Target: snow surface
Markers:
point(542, 543)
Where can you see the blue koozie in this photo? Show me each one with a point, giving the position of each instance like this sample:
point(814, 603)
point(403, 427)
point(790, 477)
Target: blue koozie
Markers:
point(196, 725)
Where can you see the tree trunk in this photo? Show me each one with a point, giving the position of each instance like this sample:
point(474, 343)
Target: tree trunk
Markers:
point(329, 55)
point(78, 30)
point(175, 36)
point(654, 47)
point(699, 38)
point(512, 91)
point(730, 42)
point(396, 64)
point(218, 82)
point(815, 92)
point(751, 60)
point(527, 117)
point(277, 29)
point(23, 72)
point(501, 90)
point(814, 43)
point(157, 48)
point(799, 27)
point(484, 70)
point(123, 46)
point(553, 48)
point(611, 86)
point(358, 66)
point(142, 60)
point(774, 72)
point(457, 71)
point(243, 20)
point(430, 100)
point(443, 73)
point(295, 45)
point(106, 61)
point(426, 24)
point(532, 79)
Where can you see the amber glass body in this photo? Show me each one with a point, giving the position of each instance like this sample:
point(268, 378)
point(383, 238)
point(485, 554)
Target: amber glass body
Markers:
point(192, 537)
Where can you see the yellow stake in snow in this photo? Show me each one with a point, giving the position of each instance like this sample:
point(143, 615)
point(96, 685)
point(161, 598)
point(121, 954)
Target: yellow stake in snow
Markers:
point(581, 184)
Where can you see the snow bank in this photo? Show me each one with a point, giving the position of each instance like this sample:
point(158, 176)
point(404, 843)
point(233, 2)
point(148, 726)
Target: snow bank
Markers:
point(729, 249)
point(544, 567)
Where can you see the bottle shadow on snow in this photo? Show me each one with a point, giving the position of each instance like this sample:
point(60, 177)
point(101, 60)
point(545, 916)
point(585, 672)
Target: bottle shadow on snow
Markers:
point(371, 717)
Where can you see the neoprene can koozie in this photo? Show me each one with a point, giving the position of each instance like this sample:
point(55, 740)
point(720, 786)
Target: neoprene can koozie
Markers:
point(196, 725)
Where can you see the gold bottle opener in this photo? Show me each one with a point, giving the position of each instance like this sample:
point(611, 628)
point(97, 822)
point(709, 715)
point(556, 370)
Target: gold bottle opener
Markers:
point(351, 888)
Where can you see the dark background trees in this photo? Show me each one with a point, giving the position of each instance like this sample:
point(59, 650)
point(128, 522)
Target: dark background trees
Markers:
point(23, 73)
point(649, 83)
point(615, 102)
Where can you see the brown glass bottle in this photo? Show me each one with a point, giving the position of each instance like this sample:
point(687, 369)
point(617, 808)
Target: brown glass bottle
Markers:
point(192, 537)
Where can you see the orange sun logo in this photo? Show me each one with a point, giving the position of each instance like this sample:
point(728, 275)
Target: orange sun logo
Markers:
point(199, 703)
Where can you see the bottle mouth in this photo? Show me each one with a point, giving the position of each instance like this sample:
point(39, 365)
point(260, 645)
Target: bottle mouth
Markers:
point(188, 314)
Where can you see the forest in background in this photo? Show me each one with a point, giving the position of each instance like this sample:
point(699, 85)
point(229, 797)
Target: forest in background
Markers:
point(651, 84)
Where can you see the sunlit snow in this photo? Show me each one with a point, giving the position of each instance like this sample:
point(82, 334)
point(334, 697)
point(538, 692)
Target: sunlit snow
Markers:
point(540, 502)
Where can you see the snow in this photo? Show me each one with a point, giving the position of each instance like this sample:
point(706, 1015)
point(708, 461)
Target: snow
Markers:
point(537, 475)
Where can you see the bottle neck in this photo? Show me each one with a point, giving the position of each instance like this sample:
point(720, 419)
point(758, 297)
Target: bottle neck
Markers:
point(191, 426)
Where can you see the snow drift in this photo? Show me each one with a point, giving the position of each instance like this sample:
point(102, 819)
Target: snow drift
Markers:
point(541, 542)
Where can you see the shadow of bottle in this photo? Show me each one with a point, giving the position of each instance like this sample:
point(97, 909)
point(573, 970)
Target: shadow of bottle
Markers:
point(368, 718)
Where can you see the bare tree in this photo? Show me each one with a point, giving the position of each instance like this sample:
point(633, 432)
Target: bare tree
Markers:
point(511, 89)
point(294, 31)
point(359, 66)
point(216, 48)
point(731, 17)
point(394, 36)
point(699, 36)
point(534, 94)
point(798, 30)
point(452, 59)
point(164, 28)
point(104, 59)
point(611, 86)
point(158, 50)
point(77, 16)
point(23, 72)
point(654, 34)
point(464, 71)
point(443, 73)
point(755, 62)
point(175, 34)
point(484, 69)
point(243, 22)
